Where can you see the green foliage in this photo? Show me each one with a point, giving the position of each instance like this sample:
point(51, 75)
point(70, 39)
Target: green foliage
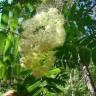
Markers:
point(10, 68)
point(53, 72)
point(2, 70)
point(36, 87)
point(9, 43)
point(85, 55)
point(2, 42)
point(4, 19)
point(80, 45)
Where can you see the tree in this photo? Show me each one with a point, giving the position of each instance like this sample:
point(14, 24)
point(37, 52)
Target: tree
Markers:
point(77, 52)
point(81, 54)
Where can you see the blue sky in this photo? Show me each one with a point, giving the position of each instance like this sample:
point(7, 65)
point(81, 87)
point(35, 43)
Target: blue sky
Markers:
point(8, 1)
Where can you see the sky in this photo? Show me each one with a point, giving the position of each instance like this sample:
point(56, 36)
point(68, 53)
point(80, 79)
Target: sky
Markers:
point(8, 1)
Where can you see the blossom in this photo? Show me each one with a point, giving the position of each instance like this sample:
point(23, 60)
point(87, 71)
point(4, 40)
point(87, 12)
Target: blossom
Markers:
point(42, 34)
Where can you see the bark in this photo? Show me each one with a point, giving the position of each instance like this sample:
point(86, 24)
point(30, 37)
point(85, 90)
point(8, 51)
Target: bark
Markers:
point(88, 80)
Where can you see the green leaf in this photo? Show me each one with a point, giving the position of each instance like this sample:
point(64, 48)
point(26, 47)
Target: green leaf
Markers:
point(14, 18)
point(25, 72)
point(53, 72)
point(30, 79)
point(4, 19)
point(53, 81)
point(7, 57)
point(16, 10)
point(53, 88)
point(85, 55)
point(16, 49)
point(16, 70)
point(37, 93)
point(9, 42)
point(2, 70)
point(85, 41)
point(2, 42)
point(72, 12)
point(13, 24)
point(65, 11)
point(94, 56)
point(2, 39)
point(33, 86)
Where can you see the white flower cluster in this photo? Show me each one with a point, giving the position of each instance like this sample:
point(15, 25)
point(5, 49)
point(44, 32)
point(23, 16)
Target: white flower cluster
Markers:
point(46, 4)
point(41, 34)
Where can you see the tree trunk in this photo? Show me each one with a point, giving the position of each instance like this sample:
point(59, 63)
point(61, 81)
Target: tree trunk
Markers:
point(88, 79)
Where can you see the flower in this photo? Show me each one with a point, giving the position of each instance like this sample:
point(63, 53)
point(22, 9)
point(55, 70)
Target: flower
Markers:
point(42, 33)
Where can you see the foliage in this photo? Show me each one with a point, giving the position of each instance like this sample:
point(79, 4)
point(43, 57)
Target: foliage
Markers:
point(80, 45)
point(49, 84)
